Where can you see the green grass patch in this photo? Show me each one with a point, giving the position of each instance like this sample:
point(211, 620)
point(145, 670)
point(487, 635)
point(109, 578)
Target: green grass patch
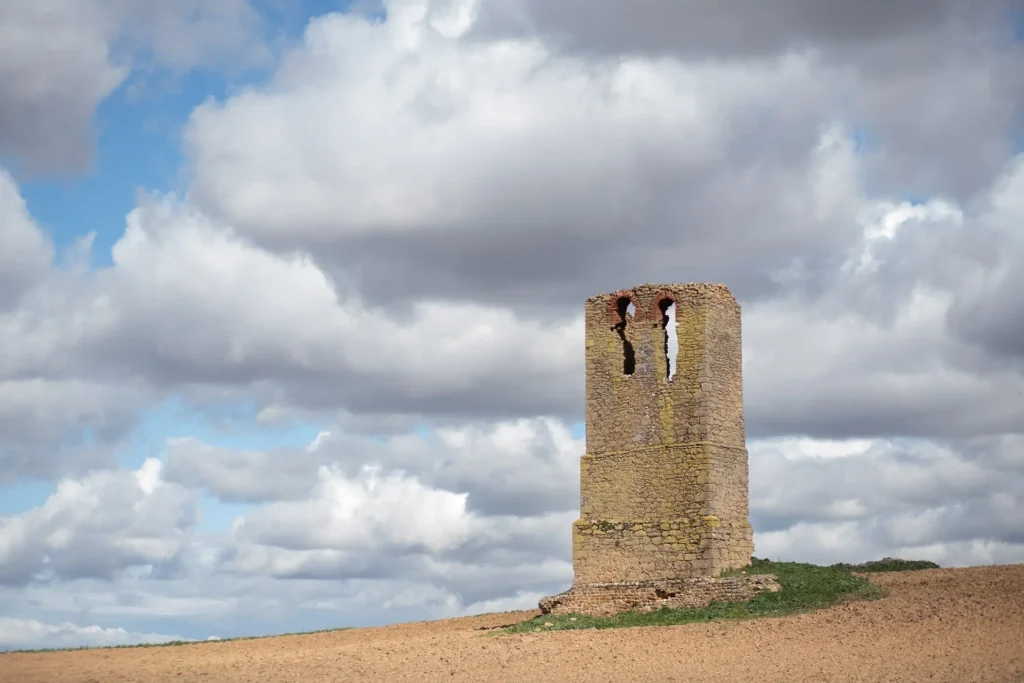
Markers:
point(887, 564)
point(805, 587)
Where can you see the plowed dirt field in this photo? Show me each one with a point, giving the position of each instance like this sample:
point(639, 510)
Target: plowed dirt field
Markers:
point(936, 625)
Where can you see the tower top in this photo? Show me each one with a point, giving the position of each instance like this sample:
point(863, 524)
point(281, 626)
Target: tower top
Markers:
point(631, 400)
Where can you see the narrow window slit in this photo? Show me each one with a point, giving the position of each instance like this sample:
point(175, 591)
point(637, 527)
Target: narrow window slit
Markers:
point(668, 321)
point(626, 311)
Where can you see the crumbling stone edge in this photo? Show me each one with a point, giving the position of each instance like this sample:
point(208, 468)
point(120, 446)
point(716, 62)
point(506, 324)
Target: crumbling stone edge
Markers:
point(606, 599)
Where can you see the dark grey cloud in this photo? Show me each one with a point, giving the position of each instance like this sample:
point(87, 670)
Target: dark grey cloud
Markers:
point(952, 502)
point(58, 61)
point(988, 312)
point(935, 86)
point(941, 404)
point(544, 220)
point(745, 29)
point(56, 70)
point(523, 468)
point(242, 476)
point(948, 126)
point(502, 556)
point(54, 428)
point(25, 252)
point(956, 492)
point(651, 170)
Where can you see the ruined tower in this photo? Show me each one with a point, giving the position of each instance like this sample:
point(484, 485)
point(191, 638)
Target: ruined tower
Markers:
point(663, 483)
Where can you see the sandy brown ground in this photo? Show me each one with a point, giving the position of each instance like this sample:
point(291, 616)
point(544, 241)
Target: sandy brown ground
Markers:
point(936, 625)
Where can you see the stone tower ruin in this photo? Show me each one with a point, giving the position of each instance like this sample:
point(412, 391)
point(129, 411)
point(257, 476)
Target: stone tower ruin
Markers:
point(663, 483)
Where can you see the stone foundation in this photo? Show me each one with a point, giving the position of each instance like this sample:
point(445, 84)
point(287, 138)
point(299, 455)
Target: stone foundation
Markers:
point(662, 512)
point(604, 599)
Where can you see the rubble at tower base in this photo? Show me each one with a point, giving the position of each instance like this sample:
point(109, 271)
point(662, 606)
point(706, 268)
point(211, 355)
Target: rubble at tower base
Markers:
point(646, 596)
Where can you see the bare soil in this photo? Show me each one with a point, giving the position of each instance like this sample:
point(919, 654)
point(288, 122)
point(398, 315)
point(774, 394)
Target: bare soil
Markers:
point(935, 625)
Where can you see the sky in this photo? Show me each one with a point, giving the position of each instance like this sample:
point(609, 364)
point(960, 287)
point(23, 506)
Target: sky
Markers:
point(291, 293)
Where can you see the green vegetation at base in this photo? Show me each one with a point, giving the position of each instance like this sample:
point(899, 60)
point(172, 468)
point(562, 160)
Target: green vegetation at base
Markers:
point(805, 587)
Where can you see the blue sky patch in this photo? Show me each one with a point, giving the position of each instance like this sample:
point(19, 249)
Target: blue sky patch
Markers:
point(175, 418)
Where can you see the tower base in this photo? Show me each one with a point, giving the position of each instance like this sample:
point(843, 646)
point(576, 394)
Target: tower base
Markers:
point(605, 599)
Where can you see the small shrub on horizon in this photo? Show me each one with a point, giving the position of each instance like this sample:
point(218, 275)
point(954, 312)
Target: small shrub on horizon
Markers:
point(887, 564)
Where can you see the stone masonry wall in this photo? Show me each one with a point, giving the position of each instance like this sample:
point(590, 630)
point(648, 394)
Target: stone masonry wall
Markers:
point(663, 486)
point(658, 515)
point(703, 402)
